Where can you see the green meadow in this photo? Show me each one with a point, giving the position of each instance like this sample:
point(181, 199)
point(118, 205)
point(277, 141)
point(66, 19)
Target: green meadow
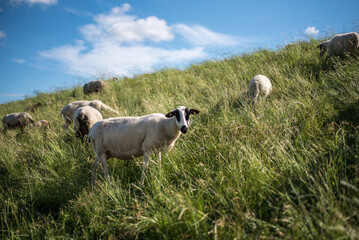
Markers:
point(286, 168)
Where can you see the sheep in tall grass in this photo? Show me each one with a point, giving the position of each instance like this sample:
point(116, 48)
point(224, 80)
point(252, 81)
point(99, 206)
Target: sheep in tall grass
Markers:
point(68, 111)
point(259, 85)
point(93, 86)
point(84, 118)
point(16, 120)
point(128, 137)
point(340, 45)
point(42, 124)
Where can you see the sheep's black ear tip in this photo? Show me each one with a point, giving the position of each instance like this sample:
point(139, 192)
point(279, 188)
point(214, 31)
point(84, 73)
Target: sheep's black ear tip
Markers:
point(194, 111)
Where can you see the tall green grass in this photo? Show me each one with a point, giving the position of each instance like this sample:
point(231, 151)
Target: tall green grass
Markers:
point(286, 168)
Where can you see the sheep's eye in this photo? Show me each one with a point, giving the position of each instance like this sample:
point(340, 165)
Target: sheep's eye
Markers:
point(187, 114)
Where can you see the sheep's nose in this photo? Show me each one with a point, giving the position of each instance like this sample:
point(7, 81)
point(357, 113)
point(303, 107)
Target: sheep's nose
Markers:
point(184, 129)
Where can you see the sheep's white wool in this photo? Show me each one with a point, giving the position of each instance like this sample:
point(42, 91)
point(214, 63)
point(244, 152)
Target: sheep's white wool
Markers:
point(84, 118)
point(259, 85)
point(68, 111)
point(129, 137)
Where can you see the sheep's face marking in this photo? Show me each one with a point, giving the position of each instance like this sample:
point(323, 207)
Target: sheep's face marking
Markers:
point(323, 48)
point(182, 117)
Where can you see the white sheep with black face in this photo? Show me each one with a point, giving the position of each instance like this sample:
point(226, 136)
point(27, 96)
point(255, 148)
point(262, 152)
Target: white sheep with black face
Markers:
point(129, 137)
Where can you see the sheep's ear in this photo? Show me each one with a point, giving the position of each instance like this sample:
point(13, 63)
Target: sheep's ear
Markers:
point(171, 114)
point(319, 46)
point(193, 111)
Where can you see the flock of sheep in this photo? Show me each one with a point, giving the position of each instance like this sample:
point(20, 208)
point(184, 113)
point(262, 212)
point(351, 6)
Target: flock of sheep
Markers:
point(129, 137)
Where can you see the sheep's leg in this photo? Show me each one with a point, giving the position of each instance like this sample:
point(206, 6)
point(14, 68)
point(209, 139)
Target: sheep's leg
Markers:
point(94, 171)
point(103, 160)
point(159, 161)
point(4, 128)
point(256, 92)
point(66, 125)
point(67, 122)
point(255, 96)
point(326, 58)
point(146, 158)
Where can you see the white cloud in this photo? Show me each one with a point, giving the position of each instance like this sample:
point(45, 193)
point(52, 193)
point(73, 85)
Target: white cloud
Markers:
point(12, 95)
point(77, 12)
point(119, 27)
point(121, 10)
point(18, 60)
point(117, 43)
point(112, 59)
point(2, 34)
point(32, 2)
point(311, 31)
point(202, 36)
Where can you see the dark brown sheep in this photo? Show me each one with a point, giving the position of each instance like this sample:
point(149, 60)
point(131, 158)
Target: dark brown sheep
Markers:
point(94, 87)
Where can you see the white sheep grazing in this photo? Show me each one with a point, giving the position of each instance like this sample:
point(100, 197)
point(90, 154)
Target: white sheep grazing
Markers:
point(84, 118)
point(128, 137)
point(340, 45)
point(259, 85)
point(14, 120)
point(68, 111)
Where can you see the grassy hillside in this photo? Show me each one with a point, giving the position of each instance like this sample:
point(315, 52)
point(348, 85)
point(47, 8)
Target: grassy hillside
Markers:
point(287, 169)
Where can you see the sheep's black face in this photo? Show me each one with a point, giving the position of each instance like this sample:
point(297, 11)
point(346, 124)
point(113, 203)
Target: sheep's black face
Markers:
point(182, 117)
point(323, 48)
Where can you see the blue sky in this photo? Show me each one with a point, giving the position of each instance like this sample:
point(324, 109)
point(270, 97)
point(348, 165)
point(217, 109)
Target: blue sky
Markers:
point(53, 44)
